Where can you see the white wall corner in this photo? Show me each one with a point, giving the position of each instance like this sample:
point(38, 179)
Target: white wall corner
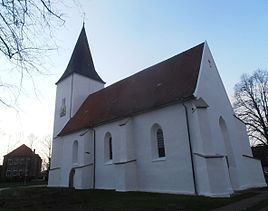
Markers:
point(201, 69)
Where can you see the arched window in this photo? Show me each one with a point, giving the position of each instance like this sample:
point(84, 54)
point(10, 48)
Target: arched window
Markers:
point(160, 143)
point(108, 147)
point(75, 151)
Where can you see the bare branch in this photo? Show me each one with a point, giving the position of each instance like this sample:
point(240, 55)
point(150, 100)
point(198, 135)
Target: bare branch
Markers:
point(251, 104)
point(26, 34)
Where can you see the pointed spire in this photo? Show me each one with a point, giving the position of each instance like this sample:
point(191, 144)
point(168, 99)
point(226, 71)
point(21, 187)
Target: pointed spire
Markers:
point(81, 61)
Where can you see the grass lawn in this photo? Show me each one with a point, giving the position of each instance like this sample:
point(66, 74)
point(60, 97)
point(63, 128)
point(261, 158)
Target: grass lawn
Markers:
point(260, 205)
point(16, 184)
point(70, 199)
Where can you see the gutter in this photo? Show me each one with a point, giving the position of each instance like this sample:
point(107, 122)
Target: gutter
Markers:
point(94, 159)
point(71, 103)
point(190, 145)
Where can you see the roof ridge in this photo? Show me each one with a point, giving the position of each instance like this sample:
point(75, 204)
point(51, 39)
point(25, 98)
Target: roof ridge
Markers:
point(145, 69)
point(21, 148)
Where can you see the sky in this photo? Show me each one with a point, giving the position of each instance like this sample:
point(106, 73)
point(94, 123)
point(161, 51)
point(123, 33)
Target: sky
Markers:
point(126, 36)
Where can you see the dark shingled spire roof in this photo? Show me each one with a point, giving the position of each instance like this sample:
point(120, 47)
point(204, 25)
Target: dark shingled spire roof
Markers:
point(171, 81)
point(81, 61)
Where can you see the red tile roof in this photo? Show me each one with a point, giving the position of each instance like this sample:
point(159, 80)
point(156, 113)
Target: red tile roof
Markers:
point(23, 150)
point(164, 83)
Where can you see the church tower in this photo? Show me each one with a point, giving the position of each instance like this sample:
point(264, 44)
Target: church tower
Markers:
point(78, 81)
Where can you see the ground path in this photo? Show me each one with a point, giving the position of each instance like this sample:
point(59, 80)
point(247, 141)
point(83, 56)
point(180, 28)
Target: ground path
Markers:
point(246, 203)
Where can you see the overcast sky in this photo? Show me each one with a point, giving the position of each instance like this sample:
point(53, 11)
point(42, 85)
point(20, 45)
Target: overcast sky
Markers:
point(126, 36)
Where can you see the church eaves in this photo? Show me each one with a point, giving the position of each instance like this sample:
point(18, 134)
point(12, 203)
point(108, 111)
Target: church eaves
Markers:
point(165, 83)
point(81, 60)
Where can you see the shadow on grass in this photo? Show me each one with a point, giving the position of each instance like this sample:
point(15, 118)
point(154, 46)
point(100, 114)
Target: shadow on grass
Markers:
point(16, 184)
point(70, 199)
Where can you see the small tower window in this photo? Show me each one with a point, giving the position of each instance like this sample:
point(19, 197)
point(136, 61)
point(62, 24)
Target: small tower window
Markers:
point(63, 108)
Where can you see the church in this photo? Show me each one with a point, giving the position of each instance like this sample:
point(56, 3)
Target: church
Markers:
point(169, 128)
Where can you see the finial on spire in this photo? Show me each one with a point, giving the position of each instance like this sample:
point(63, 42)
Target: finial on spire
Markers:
point(84, 17)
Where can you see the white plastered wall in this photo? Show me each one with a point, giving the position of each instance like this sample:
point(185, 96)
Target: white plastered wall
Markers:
point(82, 87)
point(134, 168)
point(211, 89)
point(63, 163)
point(174, 173)
point(251, 167)
point(56, 161)
point(63, 91)
point(75, 89)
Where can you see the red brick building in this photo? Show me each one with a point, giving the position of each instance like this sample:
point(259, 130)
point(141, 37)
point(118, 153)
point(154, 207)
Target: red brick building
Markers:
point(21, 163)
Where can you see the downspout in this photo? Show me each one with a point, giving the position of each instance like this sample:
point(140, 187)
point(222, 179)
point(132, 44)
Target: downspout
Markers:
point(190, 145)
point(72, 90)
point(94, 159)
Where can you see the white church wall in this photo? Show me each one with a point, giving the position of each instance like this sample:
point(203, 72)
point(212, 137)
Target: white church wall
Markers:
point(82, 87)
point(172, 173)
point(56, 153)
point(209, 167)
point(62, 94)
point(133, 166)
point(55, 168)
point(217, 167)
point(200, 133)
point(71, 93)
point(105, 170)
point(242, 137)
point(249, 177)
point(120, 172)
point(126, 176)
point(224, 130)
point(82, 165)
point(220, 114)
point(125, 166)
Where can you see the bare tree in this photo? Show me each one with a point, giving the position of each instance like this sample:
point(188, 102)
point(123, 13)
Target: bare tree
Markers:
point(251, 105)
point(47, 150)
point(31, 140)
point(26, 29)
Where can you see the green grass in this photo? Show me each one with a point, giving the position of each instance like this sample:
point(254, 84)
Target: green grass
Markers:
point(70, 199)
point(16, 184)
